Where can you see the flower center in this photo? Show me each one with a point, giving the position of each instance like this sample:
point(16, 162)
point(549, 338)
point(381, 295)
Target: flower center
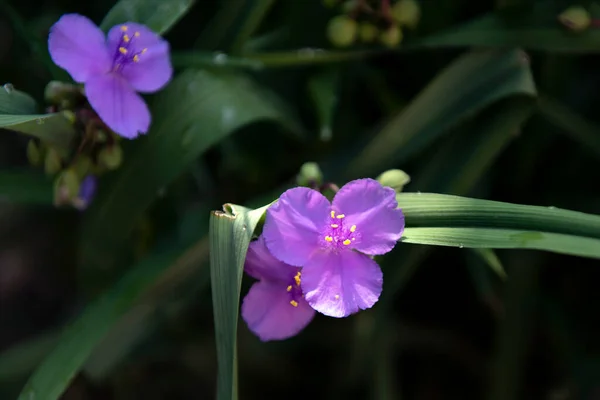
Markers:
point(294, 290)
point(337, 234)
point(126, 52)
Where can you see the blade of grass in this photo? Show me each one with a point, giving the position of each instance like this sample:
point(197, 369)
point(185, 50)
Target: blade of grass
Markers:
point(251, 24)
point(230, 235)
point(53, 129)
point(504, 239)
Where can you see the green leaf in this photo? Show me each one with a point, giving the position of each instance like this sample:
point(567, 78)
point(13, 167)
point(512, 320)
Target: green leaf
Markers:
point(504, 239)
point(26, 187)
point(197, 110)
point(157, 15)
point(534, 28)
point(470, 84)
point(19, 360)
point(439, 210)
point(53, 129)
point(143, 282)
point(15, 102)
point(323, 89)
point(230, 235)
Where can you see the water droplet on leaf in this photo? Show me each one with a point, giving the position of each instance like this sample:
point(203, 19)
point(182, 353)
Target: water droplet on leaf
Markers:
point(9, 88)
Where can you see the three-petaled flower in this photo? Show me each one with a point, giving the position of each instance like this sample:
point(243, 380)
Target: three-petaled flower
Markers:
point(274, 308)
point(333, 242)
point(132, 59)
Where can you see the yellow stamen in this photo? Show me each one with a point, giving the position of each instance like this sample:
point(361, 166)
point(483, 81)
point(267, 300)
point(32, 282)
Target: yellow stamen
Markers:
point(340, 216)
point(352, 228)
point(337, 296)
point(329, 238)
point(289, 288)
point(122, 50)
point(297, 279)
point(334, 225)
point(294, 303)
point(136, 58)
point(124, 28)
point(136, 34)
point(346, 242)
point(332, 214)
point(126, 38)
point(145, 49)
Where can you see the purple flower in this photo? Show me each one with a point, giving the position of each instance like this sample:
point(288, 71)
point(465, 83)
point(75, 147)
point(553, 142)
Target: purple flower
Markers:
point(132, 59)
point(87, 191)
point(274, 307)
point(333, 241)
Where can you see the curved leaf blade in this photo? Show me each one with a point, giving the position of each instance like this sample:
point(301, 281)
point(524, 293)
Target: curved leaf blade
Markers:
point(53, 129)
point(230, 235)
point(504, 239)
point(440, 210)
point(157, 15)
point(15, 102)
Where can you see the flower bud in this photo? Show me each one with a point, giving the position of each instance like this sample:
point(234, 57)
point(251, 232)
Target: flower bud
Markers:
point(70, 116)
point(66, 187)
point(57, 92)
point(575, 18)
point(394, 178)
point(52, 161)
point(367, 32)
point(391, 37)
point(349, 6)
point(407, 13)
point(310, 175)
point(111, 156)
point(34, 153)
point(341, 31)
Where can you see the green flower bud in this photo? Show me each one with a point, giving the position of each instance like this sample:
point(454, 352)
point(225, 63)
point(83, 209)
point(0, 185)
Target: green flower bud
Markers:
point(575, 18)
point(34, 153)
point(82, 166)
point(66, 187)
point(310, 174)
point(111, 156)
point(391, 37)
point(367, 32)
point(394, 178)
point(52, 161)
point(407, 13)
point(56, 92)
point(341, 31)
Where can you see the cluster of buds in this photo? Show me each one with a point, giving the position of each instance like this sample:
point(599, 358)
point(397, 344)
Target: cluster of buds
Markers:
point(372, 20)
point(95, 151)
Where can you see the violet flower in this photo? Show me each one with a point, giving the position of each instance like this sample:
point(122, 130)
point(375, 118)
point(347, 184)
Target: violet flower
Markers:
point(274, 307)
point(333, 241)
point(132, 59)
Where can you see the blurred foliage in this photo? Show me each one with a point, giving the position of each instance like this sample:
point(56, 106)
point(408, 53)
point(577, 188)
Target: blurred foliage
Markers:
point(487, 99)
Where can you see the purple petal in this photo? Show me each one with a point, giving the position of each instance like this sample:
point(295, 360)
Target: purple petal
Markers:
point(123, 110)
point(338, 284)
point(152, 70)
point(294, 223)
point(260, 264)
point(269, 314)
point(78, 46)
point(374, 210)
